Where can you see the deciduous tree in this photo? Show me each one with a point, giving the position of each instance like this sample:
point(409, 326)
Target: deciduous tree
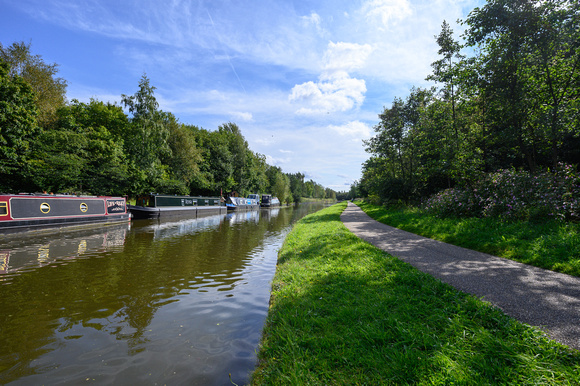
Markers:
point(50, 90)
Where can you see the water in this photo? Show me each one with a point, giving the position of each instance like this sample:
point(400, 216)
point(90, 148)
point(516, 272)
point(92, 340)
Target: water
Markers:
point(147, 302)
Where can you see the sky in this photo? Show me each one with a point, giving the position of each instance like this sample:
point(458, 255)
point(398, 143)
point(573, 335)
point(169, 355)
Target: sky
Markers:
point(304, 80)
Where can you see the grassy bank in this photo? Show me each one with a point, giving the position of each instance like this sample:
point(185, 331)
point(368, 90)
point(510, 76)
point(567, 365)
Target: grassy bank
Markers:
point(552, 245)
point(343, 312)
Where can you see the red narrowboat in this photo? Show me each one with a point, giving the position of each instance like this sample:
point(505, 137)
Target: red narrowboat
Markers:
point(31, 211)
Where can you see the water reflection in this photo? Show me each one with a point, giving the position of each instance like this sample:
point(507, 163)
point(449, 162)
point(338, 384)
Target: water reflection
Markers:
point(156, 302)
point(166, 229)
point(28, 251)
point(240, 217)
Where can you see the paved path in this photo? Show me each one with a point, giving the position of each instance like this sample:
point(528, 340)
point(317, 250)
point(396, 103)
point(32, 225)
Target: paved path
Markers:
point(535, 296)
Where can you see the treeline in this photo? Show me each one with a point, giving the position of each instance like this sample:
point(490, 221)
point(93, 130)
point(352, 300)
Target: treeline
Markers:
point(49, 144)
point(512, 103)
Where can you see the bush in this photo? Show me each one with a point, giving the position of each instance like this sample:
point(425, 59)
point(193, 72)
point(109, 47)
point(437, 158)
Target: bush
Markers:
point(514, 195)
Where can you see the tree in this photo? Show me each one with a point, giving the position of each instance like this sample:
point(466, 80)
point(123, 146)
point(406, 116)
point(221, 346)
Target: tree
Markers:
point(254, 173)
point(146, 142)
point(503, 29)
point(78, 153)
point(185, 155)
point(297, 186)
point(444, 68)
point(18, 128)
point(281, 188)
point(555, 58)
point(50, 91)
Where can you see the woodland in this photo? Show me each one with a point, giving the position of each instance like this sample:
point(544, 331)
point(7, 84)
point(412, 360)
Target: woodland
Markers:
point(50, 144)
point(499, 132)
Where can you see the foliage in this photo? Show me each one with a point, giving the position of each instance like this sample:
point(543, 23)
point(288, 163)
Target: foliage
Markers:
point(512, 105)
point(78, 153)
point(17, 127)
point(514, 195)
point(97, 148)
point(49, 90)
point(146, 141)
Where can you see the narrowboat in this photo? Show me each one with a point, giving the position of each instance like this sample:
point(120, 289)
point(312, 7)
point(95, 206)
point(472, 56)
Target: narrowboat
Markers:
point(269, 202)
point(32, 211)
point(152, 206)
point(242, 203)
point(255, 197)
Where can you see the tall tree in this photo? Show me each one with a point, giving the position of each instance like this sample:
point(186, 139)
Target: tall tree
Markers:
point(444, 68)
point(297, 186)
point(17, 128)
point(503, 29)
point(146, 142)
point(555, 63)
point(50, 90)
point(185, 155)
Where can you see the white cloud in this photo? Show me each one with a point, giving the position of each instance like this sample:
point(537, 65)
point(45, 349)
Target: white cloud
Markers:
point(243, 116)
point(355, 128)
point(387, 11)
point(335, 92)
point(258, 63)
point(346, 56)
point(275, 161)
point(315, 20)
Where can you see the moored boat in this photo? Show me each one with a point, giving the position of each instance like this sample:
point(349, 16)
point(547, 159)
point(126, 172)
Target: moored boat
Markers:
point(32, 211)
point(242, 203)
point(269, 202)
point(149, 206)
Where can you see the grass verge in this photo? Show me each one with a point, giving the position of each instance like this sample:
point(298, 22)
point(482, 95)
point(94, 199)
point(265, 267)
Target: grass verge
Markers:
point(343, 312)
point(551, 245)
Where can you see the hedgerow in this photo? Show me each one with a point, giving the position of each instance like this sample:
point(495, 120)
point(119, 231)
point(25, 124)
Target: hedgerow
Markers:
point(514, 195)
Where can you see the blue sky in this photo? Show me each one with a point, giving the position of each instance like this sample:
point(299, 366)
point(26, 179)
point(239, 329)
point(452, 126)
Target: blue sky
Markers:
point(304, 80)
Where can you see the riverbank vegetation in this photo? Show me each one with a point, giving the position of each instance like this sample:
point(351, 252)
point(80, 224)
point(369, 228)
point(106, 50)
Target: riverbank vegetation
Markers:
point(50, 144)
point(345, 312)
point(503, 111)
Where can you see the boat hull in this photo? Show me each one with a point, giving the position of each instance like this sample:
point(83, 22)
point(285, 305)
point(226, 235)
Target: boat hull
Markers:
point(269, 202)
point(24, 212)
point(159, 206)
point(242, 204)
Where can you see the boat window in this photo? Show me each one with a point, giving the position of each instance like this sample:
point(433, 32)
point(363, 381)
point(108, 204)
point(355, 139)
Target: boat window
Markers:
point(3, 208)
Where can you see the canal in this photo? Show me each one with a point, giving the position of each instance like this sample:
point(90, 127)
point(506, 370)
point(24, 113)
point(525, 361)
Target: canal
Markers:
point(147, 302)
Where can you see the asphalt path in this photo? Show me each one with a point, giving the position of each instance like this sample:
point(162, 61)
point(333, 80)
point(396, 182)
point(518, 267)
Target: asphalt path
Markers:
point(538, 297)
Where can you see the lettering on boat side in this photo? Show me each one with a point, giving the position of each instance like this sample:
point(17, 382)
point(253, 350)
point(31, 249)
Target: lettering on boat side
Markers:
point(116, 206)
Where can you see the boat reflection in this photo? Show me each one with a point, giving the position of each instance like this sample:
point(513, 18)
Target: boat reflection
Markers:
point(270, 214)
point(26, 251)
point(172, 229)
point(241, 217)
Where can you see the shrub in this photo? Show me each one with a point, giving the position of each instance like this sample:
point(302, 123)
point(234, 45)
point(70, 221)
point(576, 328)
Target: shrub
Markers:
point(514, 195)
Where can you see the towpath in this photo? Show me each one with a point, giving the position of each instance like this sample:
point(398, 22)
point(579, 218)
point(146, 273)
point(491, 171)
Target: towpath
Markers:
point(538, 297)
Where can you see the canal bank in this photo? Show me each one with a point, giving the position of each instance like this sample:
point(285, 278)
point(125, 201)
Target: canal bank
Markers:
point(345, 312)
point(146, 302)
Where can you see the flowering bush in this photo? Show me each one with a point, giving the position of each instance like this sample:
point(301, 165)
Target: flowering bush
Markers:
point(512, 194)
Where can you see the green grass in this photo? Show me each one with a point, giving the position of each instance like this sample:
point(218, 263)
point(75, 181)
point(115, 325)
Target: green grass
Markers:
point(551, 245)
point(343, 312)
